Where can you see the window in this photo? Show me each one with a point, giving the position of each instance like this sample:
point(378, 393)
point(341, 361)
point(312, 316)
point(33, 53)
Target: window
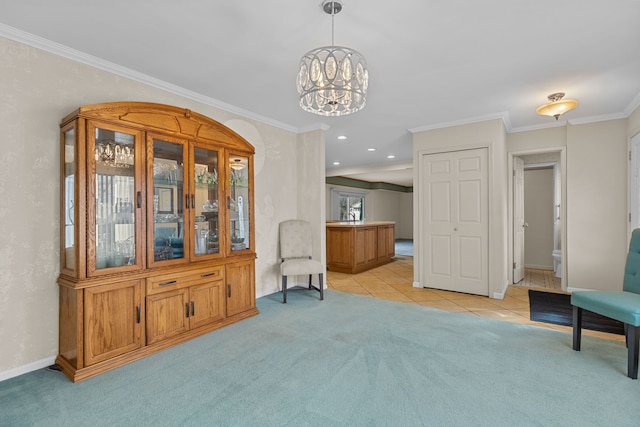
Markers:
point(347, 205)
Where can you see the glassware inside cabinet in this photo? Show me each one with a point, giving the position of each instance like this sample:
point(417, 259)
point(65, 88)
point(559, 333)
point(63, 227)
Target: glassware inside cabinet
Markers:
point(239, 202)
point(115, 198)
point(68, 197)
point(206, 202)
point(168, 196)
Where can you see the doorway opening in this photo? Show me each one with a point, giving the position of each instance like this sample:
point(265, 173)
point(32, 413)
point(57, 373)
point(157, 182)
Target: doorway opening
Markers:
point(537, 199)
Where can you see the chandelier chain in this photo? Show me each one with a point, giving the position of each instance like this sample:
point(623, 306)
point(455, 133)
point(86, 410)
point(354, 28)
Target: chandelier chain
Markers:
point(333, 19)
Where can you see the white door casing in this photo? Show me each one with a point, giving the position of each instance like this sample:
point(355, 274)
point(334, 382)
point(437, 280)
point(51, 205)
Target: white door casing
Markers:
point(634, 184)
point(518, 219)
point(456, 233)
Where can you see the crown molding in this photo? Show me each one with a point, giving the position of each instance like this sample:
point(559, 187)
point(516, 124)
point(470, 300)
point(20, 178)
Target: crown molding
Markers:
point(600, 118)
point(317, 126)
point(504, 116)
point(633, 105)
point(58, 49)
point(547, 125)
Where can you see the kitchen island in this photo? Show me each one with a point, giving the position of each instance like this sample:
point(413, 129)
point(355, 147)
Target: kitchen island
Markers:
point(355, 246)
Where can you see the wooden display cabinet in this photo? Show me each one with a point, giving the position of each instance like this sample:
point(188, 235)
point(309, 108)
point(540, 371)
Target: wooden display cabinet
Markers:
point(157, 232)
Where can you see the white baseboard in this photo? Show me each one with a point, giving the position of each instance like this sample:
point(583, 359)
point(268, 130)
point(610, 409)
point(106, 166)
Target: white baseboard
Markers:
point(500, 295)
point(29, 367)
point(571, 289)
point(416, 285)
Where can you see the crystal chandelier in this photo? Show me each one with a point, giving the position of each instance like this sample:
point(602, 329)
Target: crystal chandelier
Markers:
point(333, 80)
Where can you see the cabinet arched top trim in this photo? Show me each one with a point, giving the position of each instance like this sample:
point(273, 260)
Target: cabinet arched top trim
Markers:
point(180, 122)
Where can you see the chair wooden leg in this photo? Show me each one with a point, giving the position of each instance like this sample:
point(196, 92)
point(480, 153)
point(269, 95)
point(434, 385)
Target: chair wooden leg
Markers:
point(626, 334)
point(284, 289)
point(577, 327)
point(633, 339)
point(321, 288)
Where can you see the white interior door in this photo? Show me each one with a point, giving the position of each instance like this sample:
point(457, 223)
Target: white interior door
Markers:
point(518, 219)
point(455, 239)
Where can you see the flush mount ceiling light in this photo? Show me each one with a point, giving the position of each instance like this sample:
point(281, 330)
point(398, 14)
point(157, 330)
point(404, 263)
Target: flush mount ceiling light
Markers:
point(556, 106)
point(333, 80)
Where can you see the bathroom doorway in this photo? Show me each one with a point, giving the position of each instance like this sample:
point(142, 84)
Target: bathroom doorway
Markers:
point(536, 213)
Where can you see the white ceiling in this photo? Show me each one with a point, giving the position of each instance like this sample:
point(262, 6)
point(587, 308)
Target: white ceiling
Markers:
point(432, 63)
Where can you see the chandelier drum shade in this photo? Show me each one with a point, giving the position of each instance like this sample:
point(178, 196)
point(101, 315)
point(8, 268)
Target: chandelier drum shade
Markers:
point(557, 106)
point(333, 80)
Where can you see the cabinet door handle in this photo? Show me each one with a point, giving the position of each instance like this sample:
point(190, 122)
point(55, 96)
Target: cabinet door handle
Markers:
point(168, 282)
point(186, 201)
point(138, 314)
point(186, 307)
point(193, 201)
point(228, 202)
point(139, 197)
point(228, 291)
point(193, 308)
point(208, 274)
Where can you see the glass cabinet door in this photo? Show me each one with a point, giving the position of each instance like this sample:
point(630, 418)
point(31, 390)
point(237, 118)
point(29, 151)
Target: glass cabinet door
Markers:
point(238, 203)
point(68, 214)
point(116, 213)
point(205, 202)
point(168, 203)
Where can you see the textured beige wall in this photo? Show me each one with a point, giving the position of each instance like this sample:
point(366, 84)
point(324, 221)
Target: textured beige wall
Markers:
point(311, 187)
point(539, 140)
point(38, 89)
point(597, 189)
point(634, 123)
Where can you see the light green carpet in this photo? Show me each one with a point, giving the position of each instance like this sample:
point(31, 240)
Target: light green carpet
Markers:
point(347, 361)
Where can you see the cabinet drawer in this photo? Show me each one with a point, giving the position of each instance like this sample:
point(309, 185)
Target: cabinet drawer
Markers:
point(171, 281)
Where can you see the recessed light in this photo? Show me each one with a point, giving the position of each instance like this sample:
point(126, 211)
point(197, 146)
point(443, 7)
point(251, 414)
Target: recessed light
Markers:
point(391, 156)
point(371, 149)
point(342, 137)
point(336, 163)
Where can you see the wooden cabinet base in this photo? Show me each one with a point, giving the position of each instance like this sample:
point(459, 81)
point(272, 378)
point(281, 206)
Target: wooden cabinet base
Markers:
point(356, 247)
point(358, 269)
point(76, 375)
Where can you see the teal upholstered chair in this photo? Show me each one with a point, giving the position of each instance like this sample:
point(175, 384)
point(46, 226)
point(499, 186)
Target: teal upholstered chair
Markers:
point(623, 306)
point(295, 251)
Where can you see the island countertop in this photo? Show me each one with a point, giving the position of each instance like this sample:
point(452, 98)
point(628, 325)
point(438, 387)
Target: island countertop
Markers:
point(358, 223)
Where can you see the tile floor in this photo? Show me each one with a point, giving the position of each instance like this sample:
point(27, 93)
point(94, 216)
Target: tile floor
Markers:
point(536, 278)
point(394, 282)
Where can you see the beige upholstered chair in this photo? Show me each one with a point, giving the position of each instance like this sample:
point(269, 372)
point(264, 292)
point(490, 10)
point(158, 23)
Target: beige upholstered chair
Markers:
point(295, 251)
